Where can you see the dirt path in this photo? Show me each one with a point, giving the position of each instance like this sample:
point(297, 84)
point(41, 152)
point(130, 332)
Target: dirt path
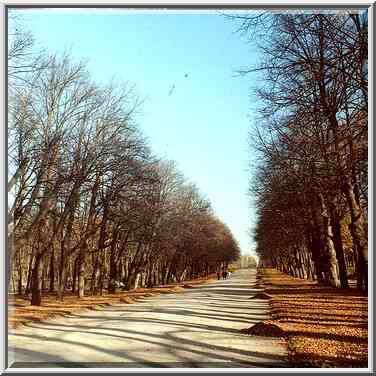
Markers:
point(196, 328)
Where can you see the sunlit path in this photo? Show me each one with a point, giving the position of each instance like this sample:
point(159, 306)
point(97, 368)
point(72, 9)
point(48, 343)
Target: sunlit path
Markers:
point(196, 328)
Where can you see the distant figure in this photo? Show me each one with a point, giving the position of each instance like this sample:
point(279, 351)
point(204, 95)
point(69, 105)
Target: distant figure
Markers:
point(229, 275)
point(218, 275)
point(224, 275)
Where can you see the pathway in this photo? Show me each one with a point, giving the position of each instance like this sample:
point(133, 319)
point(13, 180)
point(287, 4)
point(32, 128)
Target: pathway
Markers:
point(198, 327)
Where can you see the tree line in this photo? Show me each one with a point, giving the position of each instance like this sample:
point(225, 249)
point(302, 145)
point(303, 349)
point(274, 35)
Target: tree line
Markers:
point(310, 141)
point(91, 206)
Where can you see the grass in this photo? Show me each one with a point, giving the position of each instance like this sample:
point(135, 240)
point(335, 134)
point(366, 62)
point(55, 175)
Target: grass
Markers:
point(20, 312)
point(323, 326)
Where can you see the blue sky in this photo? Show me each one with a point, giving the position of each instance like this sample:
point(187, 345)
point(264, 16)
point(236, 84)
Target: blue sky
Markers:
point(203, 124)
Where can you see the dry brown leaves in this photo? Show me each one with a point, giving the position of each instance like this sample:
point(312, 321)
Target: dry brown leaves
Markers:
point(264, 328)
point(325, 327)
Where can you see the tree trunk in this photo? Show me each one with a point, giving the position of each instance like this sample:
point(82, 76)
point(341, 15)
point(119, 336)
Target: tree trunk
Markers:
point(19, 287)
point(122, 270)
point(29, 276)
point(63, 277)
point(113, 267)
point(52, 271)
point(102, 273)
point(137, 280)
point(157, 275)
point(358, 230)
point(37, 280)
point(44, 275)
point(75, 274)
point(328, 235)
point(337, 240)
point(81, 272)
point(361, 272)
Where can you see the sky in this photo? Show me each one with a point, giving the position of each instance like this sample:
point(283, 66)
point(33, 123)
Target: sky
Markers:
point(197, 110)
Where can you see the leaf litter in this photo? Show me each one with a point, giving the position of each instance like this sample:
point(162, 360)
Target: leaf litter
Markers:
point(323, 326)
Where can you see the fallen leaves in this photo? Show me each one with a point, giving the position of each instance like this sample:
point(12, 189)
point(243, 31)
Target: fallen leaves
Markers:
point(266, 329)
point(261, 295)
point(325, 327)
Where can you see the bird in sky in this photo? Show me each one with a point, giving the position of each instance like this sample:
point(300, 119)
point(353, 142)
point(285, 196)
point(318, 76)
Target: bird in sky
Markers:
point(171, 90)
point(173, 86)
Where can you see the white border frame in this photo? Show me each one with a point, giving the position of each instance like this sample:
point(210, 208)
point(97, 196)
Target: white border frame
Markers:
point(180, 4)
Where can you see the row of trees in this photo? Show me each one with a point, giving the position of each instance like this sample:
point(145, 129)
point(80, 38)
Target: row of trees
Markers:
point(311, 143)
point(91, 206)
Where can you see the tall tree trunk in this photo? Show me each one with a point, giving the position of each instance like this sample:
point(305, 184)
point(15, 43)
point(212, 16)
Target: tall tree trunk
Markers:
point(113, 266)
point(132, 268)
point(157, 275)
point(328, 236)
point(75, 274)
point(337, 240)
point(37, 280)
point(122, 270)
point(358, 230)
point(316, 247)
point(102, 272)
point(81, 272)
point(29, 275)
point(19, 287)
point(63, 275)
point(52, 270)
point(44, 274)
point(94, 276)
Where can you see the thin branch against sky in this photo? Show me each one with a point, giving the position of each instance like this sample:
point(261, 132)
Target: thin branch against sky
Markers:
point(200, 120)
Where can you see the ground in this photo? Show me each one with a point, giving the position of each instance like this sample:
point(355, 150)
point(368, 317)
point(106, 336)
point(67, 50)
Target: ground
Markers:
point(196, 327)
point(323, 326)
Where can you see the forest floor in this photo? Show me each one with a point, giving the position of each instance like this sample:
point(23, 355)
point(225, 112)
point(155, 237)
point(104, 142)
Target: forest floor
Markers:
point(21, 312)
point(324, 326)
